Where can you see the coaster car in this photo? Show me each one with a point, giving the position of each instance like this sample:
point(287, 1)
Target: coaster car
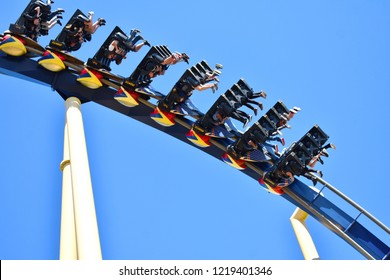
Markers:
point(35, 21)
point(98, 67)
point(78, 30)
point(177, 101)
point(255, 144)
point(217, 121)
point(297, 160)
point(155, 63)
point(201, 136)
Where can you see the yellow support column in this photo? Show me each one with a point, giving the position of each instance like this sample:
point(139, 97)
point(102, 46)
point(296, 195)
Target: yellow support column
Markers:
point(303, 235)
point(87, 233)
point(68, 244)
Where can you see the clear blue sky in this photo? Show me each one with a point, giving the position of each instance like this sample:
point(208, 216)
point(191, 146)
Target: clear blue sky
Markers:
point(158, 198)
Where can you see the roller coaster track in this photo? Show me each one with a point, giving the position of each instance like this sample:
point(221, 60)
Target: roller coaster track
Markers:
point(310, 200)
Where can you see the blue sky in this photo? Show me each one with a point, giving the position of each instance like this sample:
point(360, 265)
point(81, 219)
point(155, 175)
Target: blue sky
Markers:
point(158, 198)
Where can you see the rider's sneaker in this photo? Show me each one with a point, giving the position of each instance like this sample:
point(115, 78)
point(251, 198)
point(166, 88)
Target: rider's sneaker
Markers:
point(217, 73)
point(297, 109)
point(246, 123)
point(324, 153)
point(185, 57)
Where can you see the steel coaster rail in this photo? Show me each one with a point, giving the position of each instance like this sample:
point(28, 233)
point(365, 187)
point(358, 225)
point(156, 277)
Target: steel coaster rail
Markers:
point(330, 225)
point(353, 203)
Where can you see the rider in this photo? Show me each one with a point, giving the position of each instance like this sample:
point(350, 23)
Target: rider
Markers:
point(286, 179)
point(156, 65)
point(39, 19)
point(184, 88)
point(249, 97)
point(229, 108)
point(121, 45)
point(118, 48)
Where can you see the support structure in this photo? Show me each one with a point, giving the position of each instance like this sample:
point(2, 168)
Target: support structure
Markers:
point(68, 244)
point(303, 235)
point(79, 230)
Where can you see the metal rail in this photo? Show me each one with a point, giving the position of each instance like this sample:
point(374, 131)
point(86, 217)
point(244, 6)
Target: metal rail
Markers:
point(353, 203)
point(326, 222)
